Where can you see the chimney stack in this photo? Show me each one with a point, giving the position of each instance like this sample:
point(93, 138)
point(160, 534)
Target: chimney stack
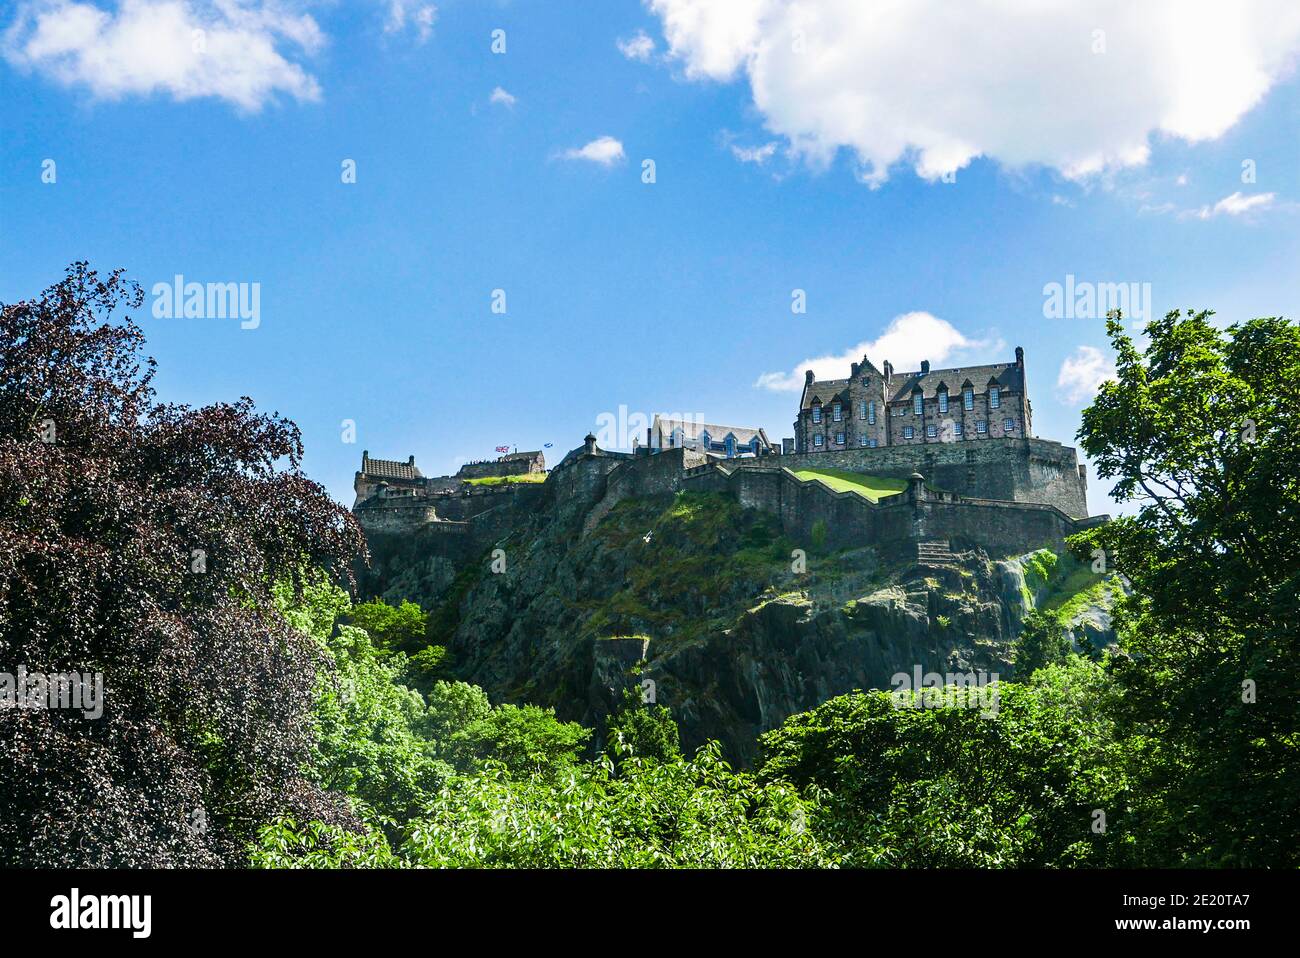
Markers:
point(1020, 356)
point(808, 376)
point(925, 367)
point(410, 461)
point(889, 371)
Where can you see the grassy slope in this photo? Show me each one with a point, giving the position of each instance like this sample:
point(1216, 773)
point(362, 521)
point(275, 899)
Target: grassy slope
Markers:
point(874, 488)
point(504, 480)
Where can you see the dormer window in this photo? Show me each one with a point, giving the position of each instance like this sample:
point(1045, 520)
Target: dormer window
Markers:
point(968, 398)
point(943, 400)
point(817, 412)
point(918, 403)
point(836, 412)
point(995, 397)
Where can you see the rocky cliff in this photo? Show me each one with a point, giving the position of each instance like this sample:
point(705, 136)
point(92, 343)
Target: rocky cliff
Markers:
point(717, 613)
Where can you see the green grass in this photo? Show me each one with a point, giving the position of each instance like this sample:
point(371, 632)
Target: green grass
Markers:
point(874, 488)
point(506, 480)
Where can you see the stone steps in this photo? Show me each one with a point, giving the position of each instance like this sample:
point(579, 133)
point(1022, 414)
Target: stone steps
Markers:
point(935, 552)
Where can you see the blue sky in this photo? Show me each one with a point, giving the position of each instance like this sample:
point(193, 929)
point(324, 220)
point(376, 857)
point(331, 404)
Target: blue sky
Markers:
point(781, 162)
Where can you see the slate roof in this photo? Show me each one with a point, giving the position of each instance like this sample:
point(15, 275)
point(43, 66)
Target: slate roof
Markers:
point(512, 456)
point(663, 428)
point(389, 469)
point(1007, 375)
point(825, 390)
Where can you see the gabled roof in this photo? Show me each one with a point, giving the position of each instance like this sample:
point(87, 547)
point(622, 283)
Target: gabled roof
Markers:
point(511, 456)
point(389, 468)
point(826, 390)
point(690, 429)
point(1007, 375)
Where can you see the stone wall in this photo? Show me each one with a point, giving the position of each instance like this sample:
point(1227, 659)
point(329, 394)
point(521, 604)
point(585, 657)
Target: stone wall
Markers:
point(849, 520)
point(501, 467)
point(1016, 470)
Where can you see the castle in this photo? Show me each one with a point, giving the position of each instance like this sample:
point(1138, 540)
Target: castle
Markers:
point(955, 446)
point(878, 407)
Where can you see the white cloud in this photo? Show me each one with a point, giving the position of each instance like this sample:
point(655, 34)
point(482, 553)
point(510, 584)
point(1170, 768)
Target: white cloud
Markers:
point(755, 154)
point(640, 47)
point(1237, 204)
point(935, 84)
point(499, 95)
point(604, 150)
point(420, 16)
point(1082, 374)
point(907, 340)
point(185, 48)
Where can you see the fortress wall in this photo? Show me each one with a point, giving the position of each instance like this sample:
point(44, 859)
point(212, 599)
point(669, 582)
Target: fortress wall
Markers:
point(1000, 527)
point(395, 518)
point(1013, 469)
point(465, 505)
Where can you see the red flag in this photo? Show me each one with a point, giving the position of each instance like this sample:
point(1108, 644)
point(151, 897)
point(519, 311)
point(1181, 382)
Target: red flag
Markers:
point(503, 448)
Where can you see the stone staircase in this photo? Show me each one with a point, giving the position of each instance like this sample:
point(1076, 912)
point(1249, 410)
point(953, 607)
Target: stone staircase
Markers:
point(935, 552)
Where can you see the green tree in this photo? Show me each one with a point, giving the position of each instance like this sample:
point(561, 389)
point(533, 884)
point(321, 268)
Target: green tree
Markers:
point(398, 628)
point(641, 730)
point(1201, 430)
point(141, 542)
point(960, 787)
point(1041, 642)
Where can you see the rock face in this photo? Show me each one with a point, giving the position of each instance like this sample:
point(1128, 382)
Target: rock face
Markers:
point(722, 618)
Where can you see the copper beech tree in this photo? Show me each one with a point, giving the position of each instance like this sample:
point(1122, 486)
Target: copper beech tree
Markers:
point(144, 542)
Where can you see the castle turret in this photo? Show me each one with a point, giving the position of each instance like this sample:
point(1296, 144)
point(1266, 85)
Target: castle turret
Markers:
point(589, 444)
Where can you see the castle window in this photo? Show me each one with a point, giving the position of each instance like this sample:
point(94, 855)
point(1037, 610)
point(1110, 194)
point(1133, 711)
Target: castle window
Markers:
point(918, 404)
point(872, 444)
point(956, 429)
point(968, 398)
point(871, 412)
point(981, 426)
point(1009, 425)
point(836, 412)
point(839, 439)
point(943, 400)
point(931, 431)
point(862, 409)
point(862, 440)
point(908, 432)
point(818, 439)
point(995, 397)
point(817, 412)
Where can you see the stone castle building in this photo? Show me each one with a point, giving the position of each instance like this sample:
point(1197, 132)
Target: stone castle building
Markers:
point(392, 480)
point(958, 442)
point(879, 407)
point(730, 442)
